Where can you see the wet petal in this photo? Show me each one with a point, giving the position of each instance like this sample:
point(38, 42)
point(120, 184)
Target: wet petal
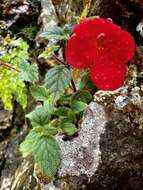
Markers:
point(80, 53)
point(109, 76)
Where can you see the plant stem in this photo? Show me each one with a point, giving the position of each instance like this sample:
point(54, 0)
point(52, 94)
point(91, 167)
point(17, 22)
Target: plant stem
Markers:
point(58, 60)
point(8, 66)
point(73, 85)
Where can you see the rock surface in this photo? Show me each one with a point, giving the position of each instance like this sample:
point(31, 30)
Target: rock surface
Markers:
point(107, 154)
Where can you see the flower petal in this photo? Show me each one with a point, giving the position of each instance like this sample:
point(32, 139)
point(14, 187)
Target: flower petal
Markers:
point(80, 53)
point(94, 27)
point(119, 45)
point(108, 75)
point(126, 47)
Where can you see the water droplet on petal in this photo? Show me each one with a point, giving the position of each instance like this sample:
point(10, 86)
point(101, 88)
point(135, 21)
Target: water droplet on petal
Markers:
point(110, 20)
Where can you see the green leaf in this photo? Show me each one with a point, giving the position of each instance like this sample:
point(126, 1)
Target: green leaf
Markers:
point(57, 33)
point(48, 52)
point(68, 128)
point(20, 43)
point(45, 149)
point(49, 105)
point(49, 131)
point(57, 80)
point(72, 116)
point(54, 123)
point(28, 146)
point(82, 95)
point(65, 99)
point(11, 87)
point(65, 120)
point(47, 156)
point(78, 106)
point(29, 72)
point(40, 93)
point(40, 116)
point(62, 111)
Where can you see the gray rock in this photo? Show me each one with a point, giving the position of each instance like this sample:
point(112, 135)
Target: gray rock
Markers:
point(107, 154)
point(81, 156)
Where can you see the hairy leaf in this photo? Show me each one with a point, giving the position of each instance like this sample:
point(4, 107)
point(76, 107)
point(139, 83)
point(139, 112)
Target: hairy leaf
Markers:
point(57, 80)
point(65, 99)
point(78, 106)
point(47, 156)
point(43, 148)
point(30, 143)
point(58, 33)
point(40, 116)
point(29, 72)
point(40, 93)
point(62, 111)
point(49, 131)
point(48, 52)
point(49, 105)
point(68, 128)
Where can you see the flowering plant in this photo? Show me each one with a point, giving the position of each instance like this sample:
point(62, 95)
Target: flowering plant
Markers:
point(97, 45)
point(104, 48)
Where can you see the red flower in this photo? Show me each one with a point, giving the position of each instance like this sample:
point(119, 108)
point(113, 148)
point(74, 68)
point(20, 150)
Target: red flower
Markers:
point(108, 78)
point(103, 46)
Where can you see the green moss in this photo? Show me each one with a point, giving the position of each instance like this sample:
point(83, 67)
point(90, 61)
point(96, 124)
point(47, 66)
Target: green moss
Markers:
point(30, 30)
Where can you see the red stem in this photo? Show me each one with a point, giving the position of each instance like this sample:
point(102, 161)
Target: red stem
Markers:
point(58, 60)
point(8, 66)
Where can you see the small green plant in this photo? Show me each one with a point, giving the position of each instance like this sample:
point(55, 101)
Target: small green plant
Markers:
point(12, 88)
point(60, 105)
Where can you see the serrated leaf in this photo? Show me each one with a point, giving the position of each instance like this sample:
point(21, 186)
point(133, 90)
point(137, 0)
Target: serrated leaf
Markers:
point(69, 128)
point(54, 123)
point(47, 156)
point(78, 106)
point(30, 143)
point(40, 116)
point(65, 120)
point(49, 105)
point(45, 130)
point(65, 99)
point(57, 33)
point(45, 150)
point(49, 131)
point(29, 72)
point(62, 111)
point(57, 80)
point(48, 52)
point(40, 93)
point(82, 95)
